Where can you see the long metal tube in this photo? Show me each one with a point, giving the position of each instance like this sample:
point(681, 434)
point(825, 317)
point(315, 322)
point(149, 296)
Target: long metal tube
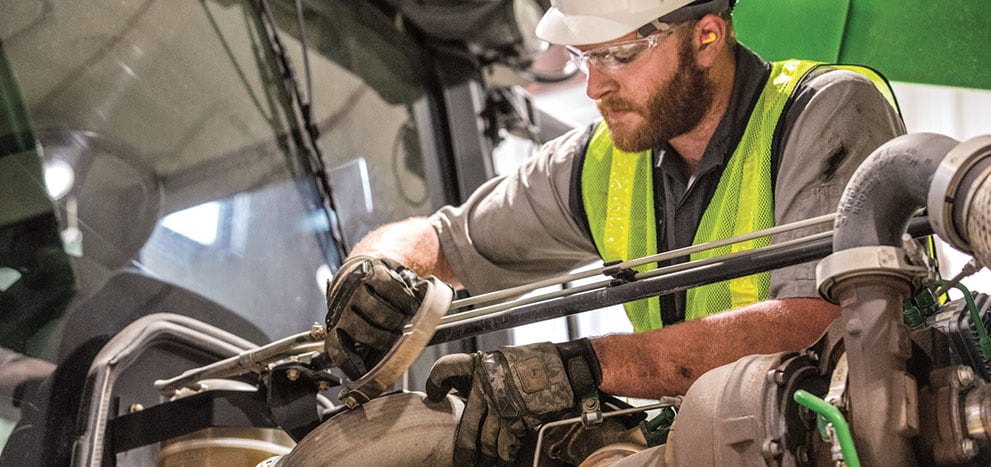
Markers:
point(491, 309)
point(874, 211)
point(755, 261)
point(511, 292)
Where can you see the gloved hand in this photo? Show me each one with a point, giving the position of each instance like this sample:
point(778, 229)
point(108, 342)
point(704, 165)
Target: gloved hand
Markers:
point(510, 391)
point(368, 303)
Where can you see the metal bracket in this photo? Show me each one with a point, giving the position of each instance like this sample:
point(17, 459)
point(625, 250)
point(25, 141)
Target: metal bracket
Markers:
point(836, 396)
point(592, 412)
point(619, 274)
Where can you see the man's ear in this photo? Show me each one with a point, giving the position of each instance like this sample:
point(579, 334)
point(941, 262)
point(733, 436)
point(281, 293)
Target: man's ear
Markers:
point(708, 38)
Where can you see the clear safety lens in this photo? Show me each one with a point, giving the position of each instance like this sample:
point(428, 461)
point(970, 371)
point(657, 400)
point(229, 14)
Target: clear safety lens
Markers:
point(613, 57)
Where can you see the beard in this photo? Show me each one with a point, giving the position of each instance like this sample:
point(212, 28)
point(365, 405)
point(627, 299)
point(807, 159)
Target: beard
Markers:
point(673, 109)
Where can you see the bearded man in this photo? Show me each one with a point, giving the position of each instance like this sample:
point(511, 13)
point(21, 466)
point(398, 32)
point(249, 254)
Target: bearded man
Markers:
point(700, 139)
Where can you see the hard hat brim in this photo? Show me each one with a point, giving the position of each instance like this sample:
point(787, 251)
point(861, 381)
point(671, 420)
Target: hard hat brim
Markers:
point(558, 28)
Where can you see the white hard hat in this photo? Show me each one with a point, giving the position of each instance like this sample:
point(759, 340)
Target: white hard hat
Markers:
point(578, 22)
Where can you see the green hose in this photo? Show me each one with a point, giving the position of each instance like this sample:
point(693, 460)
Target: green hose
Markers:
point(833, 415)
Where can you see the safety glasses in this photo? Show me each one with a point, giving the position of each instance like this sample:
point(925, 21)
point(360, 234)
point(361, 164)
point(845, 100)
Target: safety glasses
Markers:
point(613, 57)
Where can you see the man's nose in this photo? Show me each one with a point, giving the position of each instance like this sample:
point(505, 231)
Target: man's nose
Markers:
point(599, 84)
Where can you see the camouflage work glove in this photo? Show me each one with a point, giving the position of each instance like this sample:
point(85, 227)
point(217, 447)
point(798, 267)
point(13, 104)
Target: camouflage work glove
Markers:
point(510, 391)
point(369, 302)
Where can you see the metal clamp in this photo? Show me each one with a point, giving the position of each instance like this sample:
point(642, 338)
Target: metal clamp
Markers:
point(254, 360)
point(592, 412)
point(403, 353)
point(618, 273)
point(865, 261)
point(946, 183)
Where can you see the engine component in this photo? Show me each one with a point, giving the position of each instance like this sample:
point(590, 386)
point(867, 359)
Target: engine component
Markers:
point(397, 429)
point(955, 319)
point(224, 446)
point(745, 417)
point(601, 440)
point(880, 199)
point(744, 411)
point(956, 404)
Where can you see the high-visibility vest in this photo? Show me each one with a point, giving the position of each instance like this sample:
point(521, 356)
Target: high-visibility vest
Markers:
point(618, 197)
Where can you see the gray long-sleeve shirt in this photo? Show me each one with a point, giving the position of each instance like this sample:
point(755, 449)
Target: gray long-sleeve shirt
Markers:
point(527, 225)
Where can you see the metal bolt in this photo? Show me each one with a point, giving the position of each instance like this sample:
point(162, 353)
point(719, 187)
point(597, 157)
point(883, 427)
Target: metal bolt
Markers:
point(776, 376)
point(965, 375)
point(969, 448)
point(135, 408)
point(590, 404)
point(292, 374)
point(772, 448)
point(812, 355)
point(350, 401)
point(323, 385)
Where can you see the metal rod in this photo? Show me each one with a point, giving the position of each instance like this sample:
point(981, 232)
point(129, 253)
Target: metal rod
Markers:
point(491, 309)
point(559, 280)
point(758, 260)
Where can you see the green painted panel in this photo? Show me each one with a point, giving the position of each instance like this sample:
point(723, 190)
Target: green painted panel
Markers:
point(943, 42)
point(946, 42)
point(782, 29)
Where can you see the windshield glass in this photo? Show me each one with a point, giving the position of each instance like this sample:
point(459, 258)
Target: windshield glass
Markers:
point(182, 179)
point(174, 120)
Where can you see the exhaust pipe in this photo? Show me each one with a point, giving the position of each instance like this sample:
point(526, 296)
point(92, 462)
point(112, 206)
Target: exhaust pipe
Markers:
point(869, 276)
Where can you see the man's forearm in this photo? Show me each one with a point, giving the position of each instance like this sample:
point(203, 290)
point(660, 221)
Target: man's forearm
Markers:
point(667, 361)
point(412, 242)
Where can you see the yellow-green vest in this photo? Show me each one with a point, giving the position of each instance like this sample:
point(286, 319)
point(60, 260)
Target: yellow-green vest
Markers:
point(618, 197)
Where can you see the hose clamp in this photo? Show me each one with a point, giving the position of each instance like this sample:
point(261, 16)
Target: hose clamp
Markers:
point(945, 189)
point(866, 261)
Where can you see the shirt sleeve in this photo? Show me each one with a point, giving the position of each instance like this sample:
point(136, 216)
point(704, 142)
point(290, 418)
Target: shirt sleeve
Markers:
point(517, 228)
point(843, 121)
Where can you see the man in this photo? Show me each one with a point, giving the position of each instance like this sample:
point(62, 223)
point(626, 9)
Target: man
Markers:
point(701, 139)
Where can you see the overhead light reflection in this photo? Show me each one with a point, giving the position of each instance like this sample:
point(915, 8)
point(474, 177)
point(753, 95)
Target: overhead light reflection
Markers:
point(324, 275)
point(59, 178)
